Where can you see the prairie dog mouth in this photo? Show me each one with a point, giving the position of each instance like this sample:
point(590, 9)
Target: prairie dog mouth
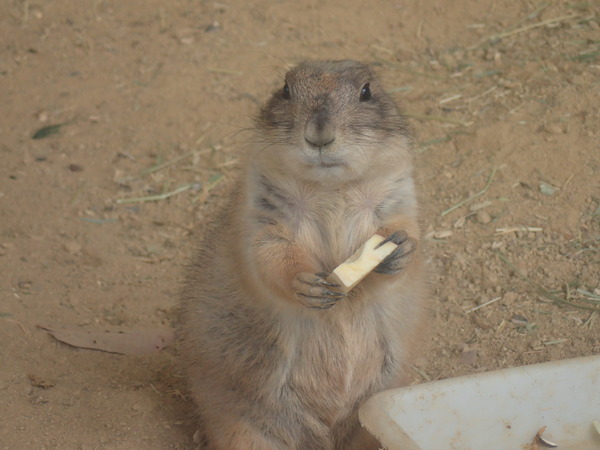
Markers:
point(324, 161)
point(330, 164)
point(318, 157)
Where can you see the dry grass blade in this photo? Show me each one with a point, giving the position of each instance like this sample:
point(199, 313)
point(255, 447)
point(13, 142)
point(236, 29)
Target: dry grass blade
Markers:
point(421, 373)
point(400, 89)
point(171, 162)
point(508, 230)
point(589, 297)
point(473, 197)
point(155, 198)
point(534, 14)
point(590, 320)
point(224, 71)
point(543, 291)
point(430, 143)
point(555, 341)
point(588, 294)
point(505, 34)
point(483, 304)
point(450, 99)
point(438, 119)
point(213, 181)
point(134, 342)
point(420, 74)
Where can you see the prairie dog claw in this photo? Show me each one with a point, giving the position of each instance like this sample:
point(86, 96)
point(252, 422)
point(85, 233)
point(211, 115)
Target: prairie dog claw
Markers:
point(400, 257)
point(315, 292)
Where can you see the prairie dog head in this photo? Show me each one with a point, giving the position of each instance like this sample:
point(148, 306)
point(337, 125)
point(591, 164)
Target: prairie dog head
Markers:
point(331, 122)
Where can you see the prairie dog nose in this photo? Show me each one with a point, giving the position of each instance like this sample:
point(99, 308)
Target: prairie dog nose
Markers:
point(319, 130)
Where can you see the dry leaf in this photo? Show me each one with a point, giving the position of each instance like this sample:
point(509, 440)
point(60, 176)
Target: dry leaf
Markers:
point(137, 342)
point(39, 382)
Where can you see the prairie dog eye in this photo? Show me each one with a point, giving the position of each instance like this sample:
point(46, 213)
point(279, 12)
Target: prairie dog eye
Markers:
point(285, 92)
point(365, 93)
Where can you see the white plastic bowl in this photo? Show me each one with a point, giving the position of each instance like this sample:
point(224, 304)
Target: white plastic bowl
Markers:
point(500, 410)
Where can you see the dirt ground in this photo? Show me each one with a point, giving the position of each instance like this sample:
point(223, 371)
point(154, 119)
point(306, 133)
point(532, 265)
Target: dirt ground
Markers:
point(503, 96)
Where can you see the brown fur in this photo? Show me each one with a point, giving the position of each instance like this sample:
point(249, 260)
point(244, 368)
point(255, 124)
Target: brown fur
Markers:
point(267, 367)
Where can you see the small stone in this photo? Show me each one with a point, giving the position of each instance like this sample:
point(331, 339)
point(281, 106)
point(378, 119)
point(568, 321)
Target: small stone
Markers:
point(547, 189)
point(448, 60)
point(468, 356)
point(510, 84)
point(555, 128)
point(460, 222)
point(480, 206)
point(43, 116)
point(498, 244)
point(442, 234)
point(481, 322)
point(490, 279)
point(75, 168)
point(509, 298)
point(522, 269)
point(215, 26)
point(73, 247)
point(519, 319)
point(435, 65)
point(483, 217)
point(40, 382)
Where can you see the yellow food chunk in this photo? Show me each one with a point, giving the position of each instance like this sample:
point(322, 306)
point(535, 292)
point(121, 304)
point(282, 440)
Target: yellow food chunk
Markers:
point(362, 262)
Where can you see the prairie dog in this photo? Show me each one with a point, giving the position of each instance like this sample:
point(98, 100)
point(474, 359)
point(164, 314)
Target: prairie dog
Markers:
point(276, 357)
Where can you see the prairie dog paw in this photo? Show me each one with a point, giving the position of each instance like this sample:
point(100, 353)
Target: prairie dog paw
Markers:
point(314, 291)
point(400, 257)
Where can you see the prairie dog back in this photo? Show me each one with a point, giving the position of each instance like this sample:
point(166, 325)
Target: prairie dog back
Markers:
point(277, 356)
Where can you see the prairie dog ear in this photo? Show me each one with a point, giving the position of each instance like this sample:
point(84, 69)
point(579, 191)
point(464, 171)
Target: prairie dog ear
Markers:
point(362, 262)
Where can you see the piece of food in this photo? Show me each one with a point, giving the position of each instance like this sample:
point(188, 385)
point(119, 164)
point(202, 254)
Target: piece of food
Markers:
point(539, 440)
point(361, 263)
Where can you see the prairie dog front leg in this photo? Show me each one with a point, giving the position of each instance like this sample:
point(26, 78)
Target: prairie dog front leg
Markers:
point(400, 257)
point(283, 267)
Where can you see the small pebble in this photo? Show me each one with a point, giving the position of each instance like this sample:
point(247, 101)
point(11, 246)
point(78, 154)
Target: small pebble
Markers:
point(442, 234)
point(555, 128)
point(480, 206)
point(75, 168)
point(483, 217)
point(509, 298)
point(73, 247)
point(460, 222)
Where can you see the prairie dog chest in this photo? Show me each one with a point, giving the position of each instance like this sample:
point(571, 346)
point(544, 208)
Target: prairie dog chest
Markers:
point(335, 223)
point(330, 223)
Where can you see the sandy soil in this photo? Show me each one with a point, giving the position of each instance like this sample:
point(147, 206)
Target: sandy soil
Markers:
point(503, 96)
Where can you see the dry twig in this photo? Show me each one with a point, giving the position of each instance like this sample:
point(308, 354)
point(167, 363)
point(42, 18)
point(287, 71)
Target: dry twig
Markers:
point(505, 34)
point(473, 197)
